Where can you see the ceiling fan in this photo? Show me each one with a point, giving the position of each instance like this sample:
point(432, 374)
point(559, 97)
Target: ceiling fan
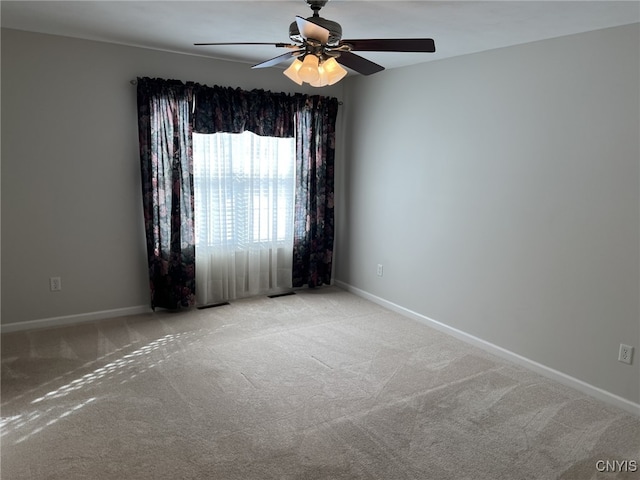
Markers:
point(319, 50)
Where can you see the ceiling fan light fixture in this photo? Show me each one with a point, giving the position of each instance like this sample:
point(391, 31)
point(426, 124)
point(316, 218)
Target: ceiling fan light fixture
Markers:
point(327, 72)
point(292, 71)
point(308, 71)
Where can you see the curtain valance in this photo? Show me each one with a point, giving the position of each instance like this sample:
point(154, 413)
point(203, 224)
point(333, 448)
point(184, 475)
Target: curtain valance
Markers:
point(224, 109)
point(233, 110)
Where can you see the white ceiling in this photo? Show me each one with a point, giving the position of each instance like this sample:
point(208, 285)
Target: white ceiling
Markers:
point(457, 27)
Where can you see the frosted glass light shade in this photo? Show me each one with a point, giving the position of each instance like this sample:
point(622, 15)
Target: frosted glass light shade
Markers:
point(292, 71)
point(323, 78)
point(334, 71)
point(308, 71)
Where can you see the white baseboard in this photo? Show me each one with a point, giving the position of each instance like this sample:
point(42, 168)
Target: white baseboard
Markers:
point(600, 394)
point(72, 319)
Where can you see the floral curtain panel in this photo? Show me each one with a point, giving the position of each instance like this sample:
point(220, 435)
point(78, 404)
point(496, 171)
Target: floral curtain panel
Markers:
point(164, 128)
point(313, 226)
point(169, 111)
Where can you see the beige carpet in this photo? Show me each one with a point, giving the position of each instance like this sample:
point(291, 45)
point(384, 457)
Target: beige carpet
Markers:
point(318, 385)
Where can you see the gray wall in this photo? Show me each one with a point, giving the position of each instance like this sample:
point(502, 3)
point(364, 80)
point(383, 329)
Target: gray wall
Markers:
point(501, 192)
point(71, 195)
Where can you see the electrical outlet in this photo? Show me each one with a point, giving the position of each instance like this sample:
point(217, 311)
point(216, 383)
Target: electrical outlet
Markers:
point(55, 284)
point(379, 270)
point(625, 355)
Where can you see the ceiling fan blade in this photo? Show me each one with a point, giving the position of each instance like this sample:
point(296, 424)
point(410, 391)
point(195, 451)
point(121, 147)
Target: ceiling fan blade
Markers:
point(358, 63)
point(279, 59)
point(393, 45)
point(287, 45)
point(309, 29)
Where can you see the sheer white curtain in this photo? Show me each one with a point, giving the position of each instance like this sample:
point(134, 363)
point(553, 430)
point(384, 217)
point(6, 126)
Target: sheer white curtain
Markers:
point(244, 188)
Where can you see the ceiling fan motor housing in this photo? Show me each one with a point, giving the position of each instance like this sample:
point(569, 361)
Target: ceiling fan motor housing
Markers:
point(335, 30)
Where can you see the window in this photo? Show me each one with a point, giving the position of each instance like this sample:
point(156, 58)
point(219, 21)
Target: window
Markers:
point(244, 189)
